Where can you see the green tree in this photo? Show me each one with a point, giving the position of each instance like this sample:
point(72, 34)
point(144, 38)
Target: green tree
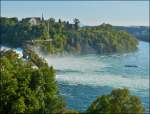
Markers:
point(28, 89)
point(120, 101)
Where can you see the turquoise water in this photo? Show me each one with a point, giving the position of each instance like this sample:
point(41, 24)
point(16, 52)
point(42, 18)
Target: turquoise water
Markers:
point(82, 78)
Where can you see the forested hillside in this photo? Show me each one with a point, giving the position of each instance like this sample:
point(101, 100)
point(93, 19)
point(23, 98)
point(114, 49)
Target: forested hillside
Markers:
point(140, 32)
point(61, 36)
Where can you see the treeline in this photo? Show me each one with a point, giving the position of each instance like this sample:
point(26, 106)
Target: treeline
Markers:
point(29, 87)
point(62, 36)
point(140, 32)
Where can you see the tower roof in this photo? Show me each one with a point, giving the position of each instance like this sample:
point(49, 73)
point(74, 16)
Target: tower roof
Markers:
point(42, 17)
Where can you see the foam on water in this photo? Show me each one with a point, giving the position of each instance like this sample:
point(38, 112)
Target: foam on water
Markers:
point(19, 51)
point(105, 80)
point(74, 74)
point(102, 70)
point(4, 48)
point(75, 63)
point(93, 71)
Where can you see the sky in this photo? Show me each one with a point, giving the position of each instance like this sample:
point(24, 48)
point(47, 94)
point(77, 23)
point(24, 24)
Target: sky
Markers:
point(125, 13)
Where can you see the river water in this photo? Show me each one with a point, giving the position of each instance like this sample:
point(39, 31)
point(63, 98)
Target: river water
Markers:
point(82, 78)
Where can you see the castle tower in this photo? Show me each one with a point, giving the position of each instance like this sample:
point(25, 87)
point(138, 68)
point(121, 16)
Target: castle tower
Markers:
point(42, 17)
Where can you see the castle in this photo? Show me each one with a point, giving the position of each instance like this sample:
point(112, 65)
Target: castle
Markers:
point(33, 20)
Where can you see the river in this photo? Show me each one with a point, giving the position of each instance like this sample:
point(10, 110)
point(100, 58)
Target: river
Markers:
point(82, 78)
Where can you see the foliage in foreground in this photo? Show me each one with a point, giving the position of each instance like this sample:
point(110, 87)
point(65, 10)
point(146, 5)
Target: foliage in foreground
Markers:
point(119, 101)
point(29, 89)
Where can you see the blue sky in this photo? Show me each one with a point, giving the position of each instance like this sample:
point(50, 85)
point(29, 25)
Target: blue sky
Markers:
point(88, 12)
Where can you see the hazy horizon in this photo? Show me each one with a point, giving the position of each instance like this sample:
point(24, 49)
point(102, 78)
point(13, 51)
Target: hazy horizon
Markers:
point(84, 24)
point(91, 13)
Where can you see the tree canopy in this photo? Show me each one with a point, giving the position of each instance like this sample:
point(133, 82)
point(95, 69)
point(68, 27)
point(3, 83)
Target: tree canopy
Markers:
point(62, 36)
point(119, 101)
point(27, 89)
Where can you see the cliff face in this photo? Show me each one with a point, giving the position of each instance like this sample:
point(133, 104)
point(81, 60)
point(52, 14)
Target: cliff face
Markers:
point(57, 37)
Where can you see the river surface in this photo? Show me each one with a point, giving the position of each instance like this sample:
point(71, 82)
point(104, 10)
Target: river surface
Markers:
point(82, 78)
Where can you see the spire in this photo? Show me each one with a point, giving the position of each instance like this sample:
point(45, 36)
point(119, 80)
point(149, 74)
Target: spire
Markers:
point(42, 17)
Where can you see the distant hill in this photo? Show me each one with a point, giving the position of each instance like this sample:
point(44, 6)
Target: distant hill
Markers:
point(60, 37)
point(140, 32)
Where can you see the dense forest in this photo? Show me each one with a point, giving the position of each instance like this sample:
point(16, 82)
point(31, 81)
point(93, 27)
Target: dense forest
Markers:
point(29, 86)
point(61, 36)
point(140, 32)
